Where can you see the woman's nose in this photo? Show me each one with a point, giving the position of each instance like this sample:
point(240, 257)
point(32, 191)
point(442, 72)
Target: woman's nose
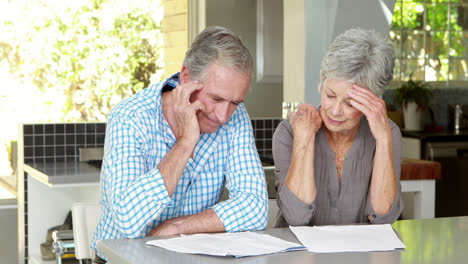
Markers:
point(336, 110)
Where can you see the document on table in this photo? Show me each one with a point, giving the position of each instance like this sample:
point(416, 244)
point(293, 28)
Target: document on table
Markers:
point(240, 244)
point(352, 238)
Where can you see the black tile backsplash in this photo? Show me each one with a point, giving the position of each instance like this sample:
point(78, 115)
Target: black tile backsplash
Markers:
point(38, 129)
point(49, 129)
point(59, 139)
point(49, 140)
point(28, 140)
point(263, 132)
point(28, 130)
point(60, 142)
point(90, 128)
point(39, 140)
point(80, 129)
point(100, 128)
point(59, 128)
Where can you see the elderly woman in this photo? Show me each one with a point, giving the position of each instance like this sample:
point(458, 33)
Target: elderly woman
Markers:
point(340, 164)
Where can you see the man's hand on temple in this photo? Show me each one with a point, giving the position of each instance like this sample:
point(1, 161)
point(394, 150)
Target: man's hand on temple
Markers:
point(187, 128)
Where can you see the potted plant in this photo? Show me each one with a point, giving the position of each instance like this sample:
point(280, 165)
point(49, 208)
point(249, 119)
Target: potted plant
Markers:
point(413, 96)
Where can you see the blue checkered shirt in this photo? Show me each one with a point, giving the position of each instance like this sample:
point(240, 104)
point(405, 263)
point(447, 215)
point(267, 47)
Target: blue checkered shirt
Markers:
point(134, 198)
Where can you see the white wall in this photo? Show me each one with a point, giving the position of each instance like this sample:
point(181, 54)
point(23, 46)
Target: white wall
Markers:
point(323, 20)
point(8, 233)
point(263, 100)
point(309, 28)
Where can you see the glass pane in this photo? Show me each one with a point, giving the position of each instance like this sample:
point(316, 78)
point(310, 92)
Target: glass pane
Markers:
point(436, 44)
point(437, 17)
point(440, 1)
point(410, 16)
point(434, 69)
point(395, 37)
point(396, 16)
point(396, 70)
point(459, 17)
point(458, 69)
point(412, 66)
point(459, 44)
point(413, 44)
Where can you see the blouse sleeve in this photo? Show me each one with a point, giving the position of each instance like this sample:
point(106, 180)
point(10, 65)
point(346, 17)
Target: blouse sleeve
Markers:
point(294, 210)
point(397, 206)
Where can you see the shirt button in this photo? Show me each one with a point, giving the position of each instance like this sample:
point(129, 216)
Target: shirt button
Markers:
point(311, 207)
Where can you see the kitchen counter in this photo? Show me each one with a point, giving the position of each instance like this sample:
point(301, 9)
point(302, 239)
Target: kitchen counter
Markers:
point(437, 136)
point(56, 173)
point(414, 169)
point(439, 240)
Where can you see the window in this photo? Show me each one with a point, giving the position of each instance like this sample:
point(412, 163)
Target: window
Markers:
point(67, 61)
point(431, 40)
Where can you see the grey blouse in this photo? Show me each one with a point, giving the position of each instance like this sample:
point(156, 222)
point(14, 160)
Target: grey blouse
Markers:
point(343, 202)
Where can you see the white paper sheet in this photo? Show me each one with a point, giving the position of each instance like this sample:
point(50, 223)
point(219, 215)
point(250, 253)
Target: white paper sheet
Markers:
point(240, 244)
point(353, 238)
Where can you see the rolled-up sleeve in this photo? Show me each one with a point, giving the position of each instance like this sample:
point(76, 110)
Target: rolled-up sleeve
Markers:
point(397, 206)
point(247, 206)
point(136, 194)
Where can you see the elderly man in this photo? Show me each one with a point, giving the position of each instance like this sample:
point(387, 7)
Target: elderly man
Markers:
point(170, 148)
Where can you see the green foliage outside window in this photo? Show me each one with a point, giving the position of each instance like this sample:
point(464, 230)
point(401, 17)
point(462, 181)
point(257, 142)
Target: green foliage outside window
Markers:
point(430, 39)
point(83, 56)
point(65, 60)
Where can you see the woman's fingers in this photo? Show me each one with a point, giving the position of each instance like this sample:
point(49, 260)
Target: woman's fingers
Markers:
point(363, 97)
point(361, 107)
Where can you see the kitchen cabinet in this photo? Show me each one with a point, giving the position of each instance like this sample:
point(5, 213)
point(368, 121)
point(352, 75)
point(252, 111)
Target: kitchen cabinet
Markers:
point(450, 149)
point(50, 179)
point(8, 227)
point(49, 203)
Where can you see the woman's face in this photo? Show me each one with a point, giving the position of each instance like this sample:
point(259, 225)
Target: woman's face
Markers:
point(335, 110)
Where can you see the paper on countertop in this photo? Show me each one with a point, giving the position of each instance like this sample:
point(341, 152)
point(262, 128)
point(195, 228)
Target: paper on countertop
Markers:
point(351, 238)
point(241, 244)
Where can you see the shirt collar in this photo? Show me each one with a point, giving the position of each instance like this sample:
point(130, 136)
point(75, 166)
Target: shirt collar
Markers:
point(171, 83)
point(166, 132)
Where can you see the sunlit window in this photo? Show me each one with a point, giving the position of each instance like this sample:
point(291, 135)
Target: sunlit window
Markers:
point(68, 60)
point(431, 40)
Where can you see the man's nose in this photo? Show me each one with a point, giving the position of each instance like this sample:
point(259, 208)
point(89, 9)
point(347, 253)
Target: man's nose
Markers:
point(222, 112)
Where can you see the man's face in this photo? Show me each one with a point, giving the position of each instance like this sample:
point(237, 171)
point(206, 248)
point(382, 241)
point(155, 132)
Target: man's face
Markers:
point(223, 90)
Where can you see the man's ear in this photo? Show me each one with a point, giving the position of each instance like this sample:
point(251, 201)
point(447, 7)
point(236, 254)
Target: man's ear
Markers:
point(184, 75)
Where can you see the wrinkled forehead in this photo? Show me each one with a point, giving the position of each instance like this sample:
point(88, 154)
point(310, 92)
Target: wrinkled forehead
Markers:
point(337, 84)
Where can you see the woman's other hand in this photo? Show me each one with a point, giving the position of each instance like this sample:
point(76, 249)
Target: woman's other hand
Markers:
point(305, 122)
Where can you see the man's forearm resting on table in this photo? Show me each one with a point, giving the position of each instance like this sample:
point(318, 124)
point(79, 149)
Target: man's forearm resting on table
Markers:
point(204, 222)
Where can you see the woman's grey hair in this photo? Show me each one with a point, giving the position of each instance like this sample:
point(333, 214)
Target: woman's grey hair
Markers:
point(217, 44)
point(362, 57)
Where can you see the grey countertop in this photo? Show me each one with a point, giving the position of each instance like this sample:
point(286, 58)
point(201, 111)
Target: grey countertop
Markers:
point(438, 240)
point(437, 136)
point(75, 172)
point(72, 172)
